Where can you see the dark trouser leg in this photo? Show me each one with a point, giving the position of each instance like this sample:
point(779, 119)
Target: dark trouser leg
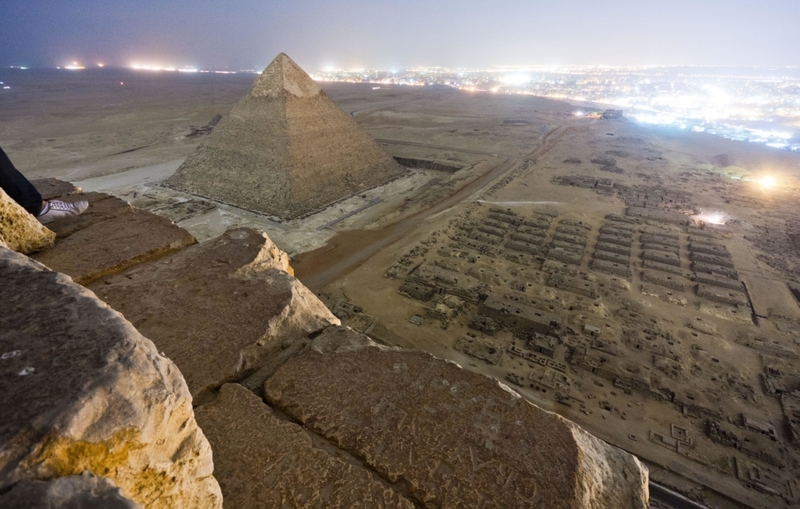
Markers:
point(17, 186)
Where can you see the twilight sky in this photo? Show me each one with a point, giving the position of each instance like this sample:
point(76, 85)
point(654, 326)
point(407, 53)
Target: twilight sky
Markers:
point(379, 33)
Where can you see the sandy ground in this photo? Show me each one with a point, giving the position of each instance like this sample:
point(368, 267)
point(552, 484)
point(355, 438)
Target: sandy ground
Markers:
point(123, 133)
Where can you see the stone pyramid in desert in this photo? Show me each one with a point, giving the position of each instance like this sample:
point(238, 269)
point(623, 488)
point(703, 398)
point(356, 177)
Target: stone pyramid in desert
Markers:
point(285, 150)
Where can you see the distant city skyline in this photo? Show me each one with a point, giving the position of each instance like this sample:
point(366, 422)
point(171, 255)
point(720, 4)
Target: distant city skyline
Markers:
point(247, 34)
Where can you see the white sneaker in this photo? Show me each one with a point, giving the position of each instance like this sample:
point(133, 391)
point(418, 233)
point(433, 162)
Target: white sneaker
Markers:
point(57, 209)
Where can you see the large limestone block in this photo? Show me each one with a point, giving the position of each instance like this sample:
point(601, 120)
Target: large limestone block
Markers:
point(113, 245)
point(84, 491)
point(454, 438)
point(102, 207)
point(222, 309)
point(21, 231)
point(82, 390)
point(263, 461)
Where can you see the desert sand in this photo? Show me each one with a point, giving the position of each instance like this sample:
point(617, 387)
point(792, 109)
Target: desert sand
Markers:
point(707, 399)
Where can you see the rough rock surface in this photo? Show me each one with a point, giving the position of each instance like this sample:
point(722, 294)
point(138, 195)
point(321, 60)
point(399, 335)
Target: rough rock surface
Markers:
point(102, 207)
point(453, 438)
point(84, 391)
point(51, 188)
point(128, 237)
point(263, 461)
point(221, 309)
point(21, 231)
point(84, 491)
point(286, 150)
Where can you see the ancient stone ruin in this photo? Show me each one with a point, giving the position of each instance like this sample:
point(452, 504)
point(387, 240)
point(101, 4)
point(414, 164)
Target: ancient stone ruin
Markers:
point(285, 150)
point(247, 391)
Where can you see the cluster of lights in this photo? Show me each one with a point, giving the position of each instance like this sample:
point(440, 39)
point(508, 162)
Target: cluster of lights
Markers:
point(146, 67)
point(704, 99)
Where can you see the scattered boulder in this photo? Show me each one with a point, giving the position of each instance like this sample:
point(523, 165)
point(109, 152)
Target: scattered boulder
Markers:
point(84, 391)
point(221, 310)
point(451, 437)
point(263, 461)
point(19, 230)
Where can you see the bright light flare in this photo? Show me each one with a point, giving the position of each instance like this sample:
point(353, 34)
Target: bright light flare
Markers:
point(515, 79)
point(767, 182)
point(717, 217)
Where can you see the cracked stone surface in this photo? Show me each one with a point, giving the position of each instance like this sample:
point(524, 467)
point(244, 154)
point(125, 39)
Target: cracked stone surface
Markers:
point(84, 391)
point(453, 438)
point(221, 310)
point(263, 461)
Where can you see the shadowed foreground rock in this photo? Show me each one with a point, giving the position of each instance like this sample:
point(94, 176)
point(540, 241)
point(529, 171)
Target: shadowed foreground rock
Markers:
point(74, 492)
point(19, 230)
point(84, 391)
point(450, 437)
point(262, 461)
point(221, 310)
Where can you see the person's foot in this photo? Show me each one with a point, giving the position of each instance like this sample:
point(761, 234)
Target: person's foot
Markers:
point(57, 209)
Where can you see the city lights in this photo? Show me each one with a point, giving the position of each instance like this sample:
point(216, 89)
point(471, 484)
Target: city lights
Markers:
point(739, 106)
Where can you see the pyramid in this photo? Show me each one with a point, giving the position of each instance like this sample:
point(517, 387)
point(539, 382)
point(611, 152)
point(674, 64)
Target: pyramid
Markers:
point(285, 150)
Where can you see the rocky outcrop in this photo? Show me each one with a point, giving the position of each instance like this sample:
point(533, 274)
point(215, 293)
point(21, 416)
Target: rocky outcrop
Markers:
point(85, 392)
point(84, 491)
point(264, 461)
point(222, 310)
point(447, 436)
point(21, 231)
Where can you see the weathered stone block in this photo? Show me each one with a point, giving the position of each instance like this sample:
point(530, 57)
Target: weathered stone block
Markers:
point(84, 391)
point(233, 307)
point(111, 246)
point(263, 461)
point(19, 230)
point(51, 188)
point(451, 437)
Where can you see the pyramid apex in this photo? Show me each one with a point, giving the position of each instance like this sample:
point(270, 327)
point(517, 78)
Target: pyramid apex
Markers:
point(284, 76)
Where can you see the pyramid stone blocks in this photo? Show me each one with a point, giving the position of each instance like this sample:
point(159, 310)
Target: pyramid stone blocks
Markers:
point(285, 150)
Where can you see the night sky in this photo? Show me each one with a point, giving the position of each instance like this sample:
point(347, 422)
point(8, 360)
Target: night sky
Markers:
point(241, 34)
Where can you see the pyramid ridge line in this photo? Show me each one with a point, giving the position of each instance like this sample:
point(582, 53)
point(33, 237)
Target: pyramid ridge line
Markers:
point(283, 77)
